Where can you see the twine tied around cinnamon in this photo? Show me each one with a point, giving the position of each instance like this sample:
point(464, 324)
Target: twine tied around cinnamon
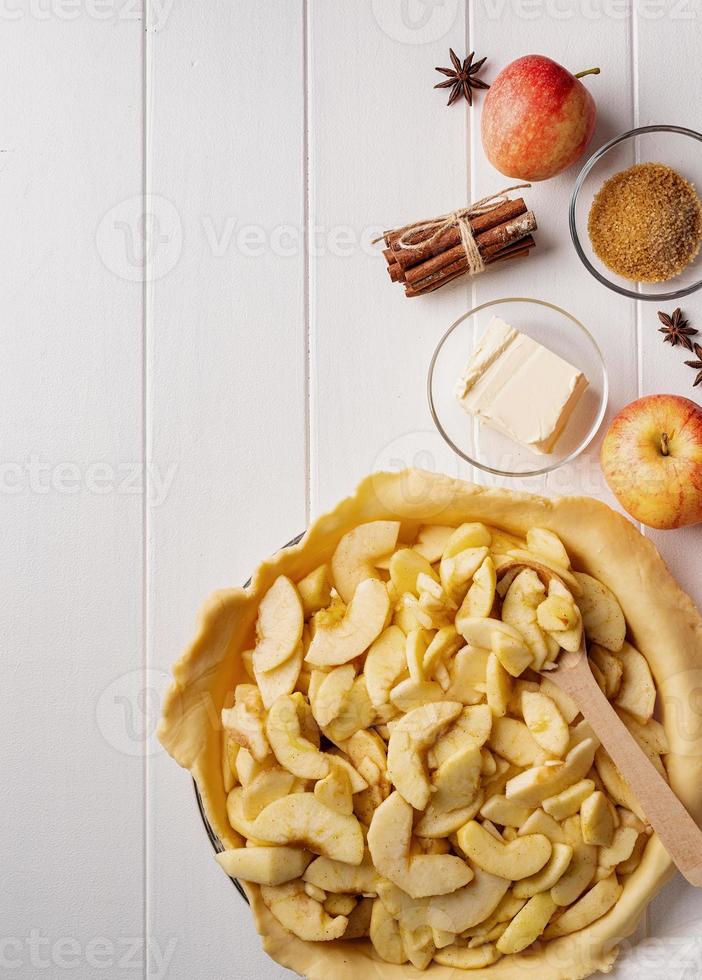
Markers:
point(460, 219)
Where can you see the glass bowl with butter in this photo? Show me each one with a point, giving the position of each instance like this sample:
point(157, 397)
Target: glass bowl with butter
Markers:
point(517, 387)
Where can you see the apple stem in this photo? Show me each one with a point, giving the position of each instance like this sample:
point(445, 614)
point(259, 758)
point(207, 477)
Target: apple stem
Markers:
point(665, 448)
point(590, 71)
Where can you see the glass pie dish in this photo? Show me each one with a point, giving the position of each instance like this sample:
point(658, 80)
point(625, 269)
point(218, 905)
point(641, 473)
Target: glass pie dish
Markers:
point(486, 448)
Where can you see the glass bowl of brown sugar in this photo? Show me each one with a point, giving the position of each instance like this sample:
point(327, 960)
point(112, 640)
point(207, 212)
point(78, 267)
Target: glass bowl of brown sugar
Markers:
point(635, 214)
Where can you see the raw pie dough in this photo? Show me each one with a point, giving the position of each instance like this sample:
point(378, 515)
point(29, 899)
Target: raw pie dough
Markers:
point(662, 623)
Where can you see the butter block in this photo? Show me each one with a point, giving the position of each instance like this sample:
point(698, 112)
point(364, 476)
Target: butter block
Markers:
point(519, 387)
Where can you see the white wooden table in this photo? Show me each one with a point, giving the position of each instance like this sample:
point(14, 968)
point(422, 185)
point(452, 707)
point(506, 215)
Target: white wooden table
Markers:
point(179, 395)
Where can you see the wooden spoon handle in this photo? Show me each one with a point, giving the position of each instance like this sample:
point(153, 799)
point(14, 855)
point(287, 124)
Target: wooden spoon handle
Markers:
point(676, 829)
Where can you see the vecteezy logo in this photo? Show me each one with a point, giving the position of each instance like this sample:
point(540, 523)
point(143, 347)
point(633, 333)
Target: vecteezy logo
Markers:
point(415, 21)
point(141, 239)
point(128, 710)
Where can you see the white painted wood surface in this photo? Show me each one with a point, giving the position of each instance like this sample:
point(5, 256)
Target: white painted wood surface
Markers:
point(252, 381)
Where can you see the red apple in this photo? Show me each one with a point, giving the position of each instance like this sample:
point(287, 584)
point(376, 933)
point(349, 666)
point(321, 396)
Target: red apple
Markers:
point(652, 459)
point(537, 118)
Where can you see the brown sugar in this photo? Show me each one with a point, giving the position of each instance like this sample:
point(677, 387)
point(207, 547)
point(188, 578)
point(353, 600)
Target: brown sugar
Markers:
point(645, 223)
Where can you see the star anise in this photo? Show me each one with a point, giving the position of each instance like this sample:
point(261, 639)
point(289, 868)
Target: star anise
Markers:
point(462, 77)
point(697, 365)
point(676, 329)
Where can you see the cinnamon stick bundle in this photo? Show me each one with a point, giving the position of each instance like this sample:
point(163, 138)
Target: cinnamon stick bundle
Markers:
point(428, 255)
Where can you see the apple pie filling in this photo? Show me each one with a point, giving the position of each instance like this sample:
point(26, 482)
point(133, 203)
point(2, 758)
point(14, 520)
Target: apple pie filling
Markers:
point(399, 770)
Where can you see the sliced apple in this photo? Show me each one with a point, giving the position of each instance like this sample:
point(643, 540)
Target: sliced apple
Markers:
point(432, 540)
point(363, 621)
point(331, 693)
point(552, 871)
point(455, 912)
point(435, 824)
point(512, 740)
point(281, 680)
point(442, 939)
point(519, 686)
point(358, 782)
point(569, 636)
point(514, 860)
point(507, 813)
point(568, 802)
point(480, 597)
point(340, 905)
point(603, 618)
point(631, 864)
point(472, 727)
point(246, 721)
point(315, 590)
point(366, 803)
point(293, 751)
point(592, 906)
point(415, 647)
point(443, 645)
point(279, 625)
point(267, 786)
point(466, 671)
point(457, 571)
point(526, 927)
point(519, 610)
point(621, 848)
point(581, 870)
point(389, 838)
point(541, 823)
point(545, 544)
point(340, 878)
point(247, 768)
point(615, 784)
point(470, 535)
point(545, 722)
point(385, 935)
point(637, 693)
point(301, 819)
point(367, 745)
point(482, 632)
point(405, 565)
point(264, 865)
point(230, 749)
point(302, 915)
point(385, 664)
point(597, 820)
point(411, 737)
point(434, 602)
point(409, 615)
point(419, 946)
point(537, 784)
point(356, 713)
point(610, 667)
point(334, 791)
point(457, 780)
point(237, 820)
point(557, 614)
point(356, 554)
point(498, 686)
point(410, 694)
point(565, 704)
